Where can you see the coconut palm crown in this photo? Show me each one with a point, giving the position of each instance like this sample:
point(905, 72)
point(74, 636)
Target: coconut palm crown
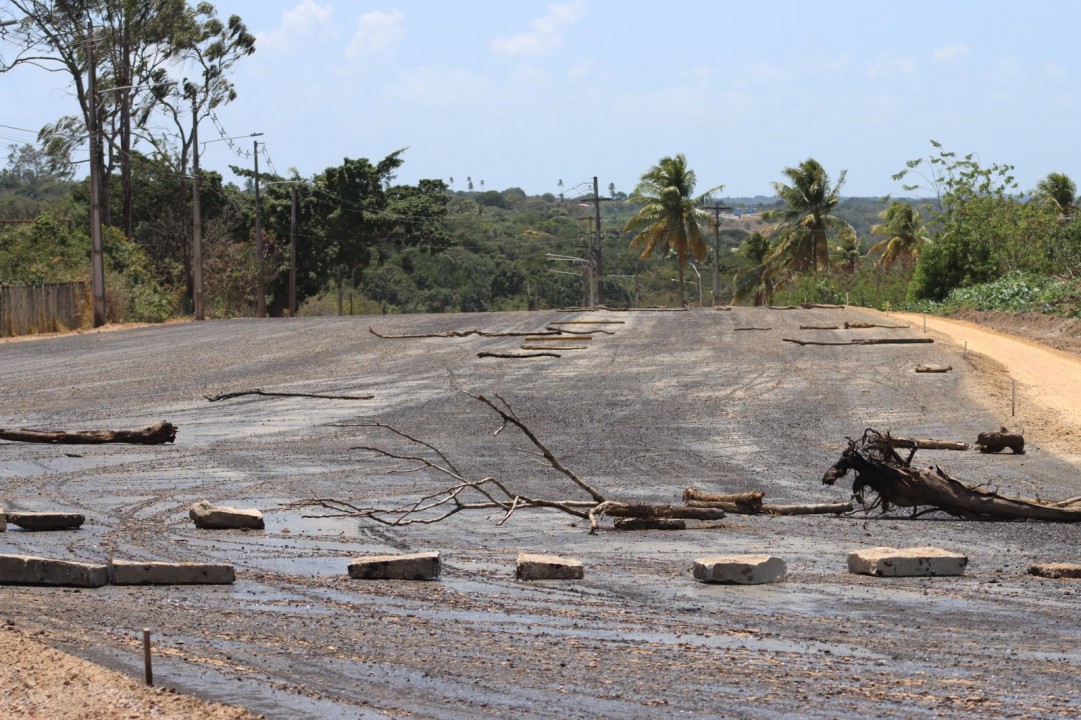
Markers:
point(806, 220)
point(669, 219)
point(904, 233)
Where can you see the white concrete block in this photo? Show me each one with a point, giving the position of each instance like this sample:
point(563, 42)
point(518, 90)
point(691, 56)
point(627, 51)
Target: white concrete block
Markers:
point(740, 569)
point(27, 570)
point(415, 566)
point(128, 572)
point(46, 520)
point(548, 567)
point(223, 517)
point(906, 562)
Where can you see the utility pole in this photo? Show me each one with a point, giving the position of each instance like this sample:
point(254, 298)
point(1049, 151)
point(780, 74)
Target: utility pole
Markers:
point(197, 215)
point(293, 253)
point(595, 255)
point(97, 253)
point(598, 262)
point(260, 291)
point(717, 210)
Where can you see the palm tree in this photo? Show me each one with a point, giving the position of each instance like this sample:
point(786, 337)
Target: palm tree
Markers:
point(805, 222)
point(849, 250)
point(668, 219)
point(1060, 190)
point(904, 233)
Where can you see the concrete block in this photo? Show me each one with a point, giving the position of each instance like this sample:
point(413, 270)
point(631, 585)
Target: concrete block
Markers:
point(416, 566)
point(1056, 571)
point(740, 569)
point(27, 570)
point(128, 572)
point(39, 521)
point(223, 517)
point(906, 562)
point(548, 567)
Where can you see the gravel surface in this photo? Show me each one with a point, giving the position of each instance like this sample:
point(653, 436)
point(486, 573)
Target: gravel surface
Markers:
point(670, 399)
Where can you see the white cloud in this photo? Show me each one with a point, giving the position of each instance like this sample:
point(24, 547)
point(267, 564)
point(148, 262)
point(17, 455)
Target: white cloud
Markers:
point(888, 67)
point(305, 19)
point(954, 52)
point(438, 87)
point(545, 33)
point(377, 32)
point(1054, 71)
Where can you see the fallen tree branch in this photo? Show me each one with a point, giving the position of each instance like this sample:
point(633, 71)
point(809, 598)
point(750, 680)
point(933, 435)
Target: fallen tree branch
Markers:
point(257, 391)
point(559, 347)
point(812, 509)
point(866, 326)
point(581, 332)
point(934, 368)
point(892, 482)
point(926, 444)
point(865, 341)
point(819, 327)
point(517, 355)
point(738, 329)
point(461, 334)
point(156, 434)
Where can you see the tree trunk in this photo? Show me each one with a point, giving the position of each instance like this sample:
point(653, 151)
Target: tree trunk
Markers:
point(999, 440)
point(156, 434)
point(640, 510)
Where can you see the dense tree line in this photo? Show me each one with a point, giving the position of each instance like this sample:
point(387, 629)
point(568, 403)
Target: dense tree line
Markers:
point(366, 244)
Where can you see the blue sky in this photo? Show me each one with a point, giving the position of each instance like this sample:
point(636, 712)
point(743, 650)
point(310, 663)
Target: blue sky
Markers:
point(525, 94)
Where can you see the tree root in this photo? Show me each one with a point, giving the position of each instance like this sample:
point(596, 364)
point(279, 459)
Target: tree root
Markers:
point(892, 482)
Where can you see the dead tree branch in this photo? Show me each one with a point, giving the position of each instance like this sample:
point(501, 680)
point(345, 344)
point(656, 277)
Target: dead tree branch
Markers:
point(866, 326)
point(156, 434)
point(461, 334)
point(865, 341)
point(517, 355)
point(257, 391)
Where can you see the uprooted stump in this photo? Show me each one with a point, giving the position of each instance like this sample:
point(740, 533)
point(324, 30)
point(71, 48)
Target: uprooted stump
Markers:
point(884, 480)
point(998, 440)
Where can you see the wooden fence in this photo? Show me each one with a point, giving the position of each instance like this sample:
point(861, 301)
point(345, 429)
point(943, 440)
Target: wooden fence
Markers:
point(29, 309)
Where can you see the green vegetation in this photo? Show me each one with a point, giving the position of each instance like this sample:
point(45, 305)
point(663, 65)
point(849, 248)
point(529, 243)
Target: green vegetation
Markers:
point(382, 247)
point(670, 218)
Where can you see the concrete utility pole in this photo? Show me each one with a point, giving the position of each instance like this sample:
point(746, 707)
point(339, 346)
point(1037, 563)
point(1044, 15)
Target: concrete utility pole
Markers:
point(260, 291)
point(717, 210)
point(197, 216)
point(97, 253)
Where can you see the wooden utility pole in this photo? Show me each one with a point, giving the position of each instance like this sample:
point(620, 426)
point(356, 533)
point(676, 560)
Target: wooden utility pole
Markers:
point(260, 290)
point(197, 215)
point(293, 253)
point(717, 210)
point(596, 259)
point(97, 253)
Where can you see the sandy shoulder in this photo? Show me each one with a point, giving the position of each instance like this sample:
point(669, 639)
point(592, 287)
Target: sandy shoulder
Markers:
point(40, 682)
point(1048, 394)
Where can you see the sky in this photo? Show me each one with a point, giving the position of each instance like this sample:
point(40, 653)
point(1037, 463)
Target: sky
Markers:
point(530, 94)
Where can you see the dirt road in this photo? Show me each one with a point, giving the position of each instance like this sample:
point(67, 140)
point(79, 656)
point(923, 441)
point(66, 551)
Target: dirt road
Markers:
point(670, 399)
point(1047, 398)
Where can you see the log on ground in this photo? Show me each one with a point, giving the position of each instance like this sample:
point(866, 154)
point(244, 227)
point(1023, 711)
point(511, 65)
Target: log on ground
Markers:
point(998, 440)
point(156, 434)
